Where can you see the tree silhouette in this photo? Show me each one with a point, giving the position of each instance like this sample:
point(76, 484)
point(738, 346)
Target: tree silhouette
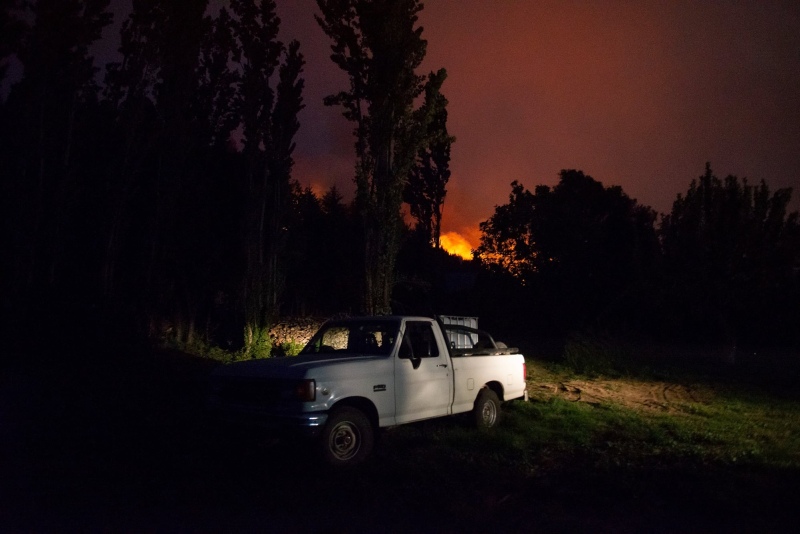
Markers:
point(582, 249)
point(178, 96)
point(12, 28)
point(218, 80)
point(269, 123)
point(47, 161)
point(731, 253)
point(426, 187)
point(155, 93)
point(377, 44)
point(323, 259)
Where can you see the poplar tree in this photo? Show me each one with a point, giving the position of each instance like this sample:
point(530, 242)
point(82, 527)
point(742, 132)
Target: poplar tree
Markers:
point(46, 137)
point(154, 94)
point(269, 123)
point(427, 181)
point(379, 45)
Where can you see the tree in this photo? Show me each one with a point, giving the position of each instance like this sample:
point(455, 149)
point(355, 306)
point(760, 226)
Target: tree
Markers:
point(12, 28)
point(508, 237)
point(178, 94)
point(427, 181)
point(47, 142)
point(155, 93)
point(218, 80)
point(731, 256)
point(323, 259)
point(377, 44)
point(269, 123)
point(581, 248)
point(129, 93)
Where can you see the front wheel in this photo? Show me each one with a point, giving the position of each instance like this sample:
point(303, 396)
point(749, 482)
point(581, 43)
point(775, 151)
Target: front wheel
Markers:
point(347, 438)
point(487, 409)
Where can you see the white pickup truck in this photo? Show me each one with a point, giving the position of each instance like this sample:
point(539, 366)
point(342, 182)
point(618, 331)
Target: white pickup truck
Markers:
point(358, 375)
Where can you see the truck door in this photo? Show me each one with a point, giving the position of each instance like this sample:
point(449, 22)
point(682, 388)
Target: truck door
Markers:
point(423, 378)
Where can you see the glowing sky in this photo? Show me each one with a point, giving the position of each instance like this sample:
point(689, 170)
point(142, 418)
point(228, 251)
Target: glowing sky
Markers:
point(639, 94)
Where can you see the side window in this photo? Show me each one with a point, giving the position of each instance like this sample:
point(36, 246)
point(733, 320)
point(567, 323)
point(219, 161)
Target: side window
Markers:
point(419, 341)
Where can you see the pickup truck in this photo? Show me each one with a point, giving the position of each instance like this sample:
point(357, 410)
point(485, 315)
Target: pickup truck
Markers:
point(358, 375)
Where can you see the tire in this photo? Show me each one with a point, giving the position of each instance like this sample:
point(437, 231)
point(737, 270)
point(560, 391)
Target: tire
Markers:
point(487, 409)
point(347, 439)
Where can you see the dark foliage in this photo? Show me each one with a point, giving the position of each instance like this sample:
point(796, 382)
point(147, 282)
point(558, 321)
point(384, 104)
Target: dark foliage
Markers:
point(161, 202)
point(732, 263)
point(722, 269)
point(581, 253)
point(425, 189)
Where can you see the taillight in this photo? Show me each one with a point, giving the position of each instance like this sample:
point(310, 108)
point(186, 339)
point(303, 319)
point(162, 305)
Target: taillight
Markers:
point(524, 373)
point(305, 390)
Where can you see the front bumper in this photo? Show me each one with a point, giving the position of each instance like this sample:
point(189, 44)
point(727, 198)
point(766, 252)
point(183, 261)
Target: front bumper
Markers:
point(307, 424)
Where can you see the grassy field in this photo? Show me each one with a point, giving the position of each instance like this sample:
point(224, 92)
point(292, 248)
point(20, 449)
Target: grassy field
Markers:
point(125, 446)
point(621, 454)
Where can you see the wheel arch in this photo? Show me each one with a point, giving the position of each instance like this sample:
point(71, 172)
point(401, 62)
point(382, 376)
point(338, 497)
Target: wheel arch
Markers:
point(366, 406)
point(495, 386)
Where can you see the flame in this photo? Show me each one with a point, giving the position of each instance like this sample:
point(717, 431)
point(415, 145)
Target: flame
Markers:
point(456, 244)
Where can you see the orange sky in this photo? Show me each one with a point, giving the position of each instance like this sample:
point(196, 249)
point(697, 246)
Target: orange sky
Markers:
point(639, 94)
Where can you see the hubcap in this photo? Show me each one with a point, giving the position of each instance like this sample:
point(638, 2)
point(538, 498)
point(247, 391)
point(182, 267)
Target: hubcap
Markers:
point(489, 413)
point(344, 441)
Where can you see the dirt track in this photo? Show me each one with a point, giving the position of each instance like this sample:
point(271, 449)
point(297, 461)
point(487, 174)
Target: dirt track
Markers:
point(649, 396)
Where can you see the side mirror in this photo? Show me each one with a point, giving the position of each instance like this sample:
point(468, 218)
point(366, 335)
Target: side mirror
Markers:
point(407, 353)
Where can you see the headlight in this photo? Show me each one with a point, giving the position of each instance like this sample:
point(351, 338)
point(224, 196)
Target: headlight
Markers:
point(305, 390)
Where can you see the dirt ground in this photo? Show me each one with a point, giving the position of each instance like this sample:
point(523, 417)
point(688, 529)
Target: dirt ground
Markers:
point(634, 394)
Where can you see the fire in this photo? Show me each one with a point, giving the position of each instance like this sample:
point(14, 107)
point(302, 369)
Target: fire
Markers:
point(456, 244)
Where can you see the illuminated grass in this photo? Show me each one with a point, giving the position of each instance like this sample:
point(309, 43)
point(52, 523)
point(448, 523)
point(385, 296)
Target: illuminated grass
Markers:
point(555, 464)
point(739, 426)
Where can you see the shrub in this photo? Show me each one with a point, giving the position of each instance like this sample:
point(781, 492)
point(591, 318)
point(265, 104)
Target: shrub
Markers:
point(257, 343)
point(292, 348)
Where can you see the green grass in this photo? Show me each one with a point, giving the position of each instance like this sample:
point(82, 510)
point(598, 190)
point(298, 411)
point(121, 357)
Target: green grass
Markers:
point(739, 426)
point(729, 463)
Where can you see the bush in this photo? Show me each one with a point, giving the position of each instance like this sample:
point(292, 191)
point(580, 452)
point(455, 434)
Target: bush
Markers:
point(257, 343)
point(287, 348)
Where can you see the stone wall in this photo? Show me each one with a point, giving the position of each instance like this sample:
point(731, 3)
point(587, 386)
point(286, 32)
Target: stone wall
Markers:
point(296, 330)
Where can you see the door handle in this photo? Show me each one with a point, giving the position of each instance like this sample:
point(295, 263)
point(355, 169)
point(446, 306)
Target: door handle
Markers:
point(442, 365)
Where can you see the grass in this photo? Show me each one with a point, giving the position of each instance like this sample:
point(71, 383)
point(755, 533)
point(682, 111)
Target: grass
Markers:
point(738, 425)
point(701, 466)
point(742, 424)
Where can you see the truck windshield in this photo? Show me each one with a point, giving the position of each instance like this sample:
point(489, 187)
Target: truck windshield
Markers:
point(354, 337)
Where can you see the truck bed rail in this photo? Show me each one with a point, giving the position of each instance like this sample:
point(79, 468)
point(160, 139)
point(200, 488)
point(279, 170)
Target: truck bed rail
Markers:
point(455, 353)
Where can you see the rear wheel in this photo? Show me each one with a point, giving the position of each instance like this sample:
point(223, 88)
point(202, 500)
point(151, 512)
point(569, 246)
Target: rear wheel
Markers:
point(347, 438)
point(487, 409)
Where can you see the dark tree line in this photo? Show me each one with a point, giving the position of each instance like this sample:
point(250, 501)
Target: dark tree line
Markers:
point(578, 247)
point(731, 261)
point(159, 191)
point(157, 195)
point(722, 266)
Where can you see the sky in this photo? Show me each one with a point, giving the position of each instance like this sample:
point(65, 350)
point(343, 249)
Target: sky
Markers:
point(639, 94)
